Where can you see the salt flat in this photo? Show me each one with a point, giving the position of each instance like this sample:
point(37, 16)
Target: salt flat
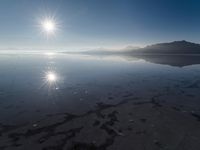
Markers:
point(97, 103)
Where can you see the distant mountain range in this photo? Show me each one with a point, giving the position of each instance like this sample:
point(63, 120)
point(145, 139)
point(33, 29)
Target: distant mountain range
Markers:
point(177, 53)
point(176, 47)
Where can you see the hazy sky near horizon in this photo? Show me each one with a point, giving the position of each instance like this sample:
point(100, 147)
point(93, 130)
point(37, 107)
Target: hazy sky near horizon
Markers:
point(98, 23)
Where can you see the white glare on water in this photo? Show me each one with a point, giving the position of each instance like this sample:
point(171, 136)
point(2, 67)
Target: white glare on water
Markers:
point(51, 77)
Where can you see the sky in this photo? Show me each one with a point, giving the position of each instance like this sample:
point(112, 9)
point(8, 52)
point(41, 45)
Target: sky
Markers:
point(84, 24)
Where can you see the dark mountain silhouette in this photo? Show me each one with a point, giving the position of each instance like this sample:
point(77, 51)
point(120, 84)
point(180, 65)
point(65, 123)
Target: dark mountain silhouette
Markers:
point(176, 47)
point(177, 53)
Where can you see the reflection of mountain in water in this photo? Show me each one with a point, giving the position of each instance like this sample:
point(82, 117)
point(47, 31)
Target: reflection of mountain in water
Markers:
point(178, 53)
point(172, 60)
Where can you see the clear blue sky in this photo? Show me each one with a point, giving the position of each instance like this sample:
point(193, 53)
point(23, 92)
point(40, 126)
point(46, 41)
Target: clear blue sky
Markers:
point(98, 23)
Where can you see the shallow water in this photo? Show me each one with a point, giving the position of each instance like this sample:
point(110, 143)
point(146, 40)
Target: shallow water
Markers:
point(82, 81)
point(81, 84)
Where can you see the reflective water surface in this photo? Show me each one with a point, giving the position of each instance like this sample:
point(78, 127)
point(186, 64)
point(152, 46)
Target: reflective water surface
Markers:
point(36, 86)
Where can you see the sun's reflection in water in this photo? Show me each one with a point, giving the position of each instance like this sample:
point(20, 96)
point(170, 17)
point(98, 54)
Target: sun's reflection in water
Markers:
point(51, 77)
point(50, 86)
point(50, 80)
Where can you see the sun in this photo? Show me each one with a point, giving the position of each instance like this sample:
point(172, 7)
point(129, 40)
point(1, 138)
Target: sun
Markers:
point(49, 26)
